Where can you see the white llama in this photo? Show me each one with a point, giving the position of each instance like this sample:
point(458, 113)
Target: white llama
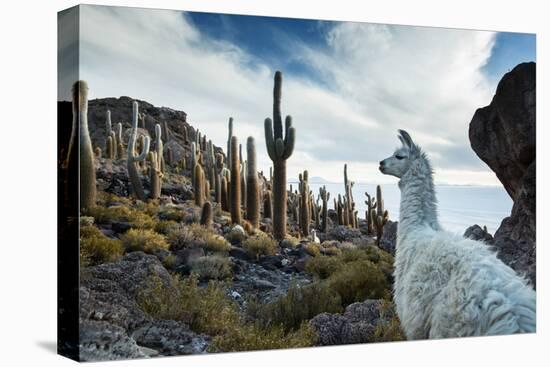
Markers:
point(446, 285)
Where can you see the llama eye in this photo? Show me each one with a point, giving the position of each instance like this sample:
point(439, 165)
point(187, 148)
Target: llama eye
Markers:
point(399, 157)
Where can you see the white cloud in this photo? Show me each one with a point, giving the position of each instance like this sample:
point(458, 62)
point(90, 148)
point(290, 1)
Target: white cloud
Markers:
point(375, 79)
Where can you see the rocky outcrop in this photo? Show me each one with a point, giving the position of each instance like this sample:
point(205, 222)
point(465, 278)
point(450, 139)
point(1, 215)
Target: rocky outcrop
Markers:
point(113, 326)
point(357, 325)
point(503, 135)
point(477, 233)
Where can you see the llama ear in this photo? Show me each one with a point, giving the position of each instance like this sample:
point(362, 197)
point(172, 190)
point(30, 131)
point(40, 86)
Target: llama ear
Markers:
point(401, 140)
point(406, 138)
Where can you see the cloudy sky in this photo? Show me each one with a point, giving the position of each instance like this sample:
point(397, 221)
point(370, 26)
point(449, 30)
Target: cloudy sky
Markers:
point(348, 86)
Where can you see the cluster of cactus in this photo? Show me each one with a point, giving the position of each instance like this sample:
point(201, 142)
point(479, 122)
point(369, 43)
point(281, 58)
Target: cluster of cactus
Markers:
point(371, 204)
point(133, 173)
point(345, 206)
point(379, 216)
point(81, 163)
point(279, 147)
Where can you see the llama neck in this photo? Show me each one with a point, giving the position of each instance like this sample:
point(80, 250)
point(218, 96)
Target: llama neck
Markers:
point(418, 202)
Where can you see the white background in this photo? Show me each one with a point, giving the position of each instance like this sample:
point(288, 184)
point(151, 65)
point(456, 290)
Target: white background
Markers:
point(28, 182)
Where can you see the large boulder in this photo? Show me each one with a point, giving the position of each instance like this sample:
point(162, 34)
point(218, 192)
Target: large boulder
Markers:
point(112, 324)
point(357, 325)
point(503, 135)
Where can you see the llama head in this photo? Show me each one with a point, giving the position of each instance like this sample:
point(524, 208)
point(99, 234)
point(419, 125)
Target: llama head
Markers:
point(402, 159)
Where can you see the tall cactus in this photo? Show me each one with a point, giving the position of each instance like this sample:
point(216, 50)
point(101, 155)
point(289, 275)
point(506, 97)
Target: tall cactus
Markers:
point(120, 144)
point(224, 194)
point(198, 185)
point(305, 209)
point(268, 205)
point(155, 174)
point(108, 128)
point(83, 166)
point(252, 187)
point(235, 191)
point(279, 148)
point(133, 158)
point(325, 196)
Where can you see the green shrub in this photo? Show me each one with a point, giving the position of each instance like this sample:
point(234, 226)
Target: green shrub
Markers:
point(212, 267)
point(211, 311)
point(235, 237)
point(171, 213)
point(136, 218)
point(195, 235)
point(358, 281)
point(215, 243)
point(143, 240)
point(96, 248)
point(165, 226)
point(260, 246)
point(300, 304)
point(323, 267)
point(387, 331)
point(313, 249)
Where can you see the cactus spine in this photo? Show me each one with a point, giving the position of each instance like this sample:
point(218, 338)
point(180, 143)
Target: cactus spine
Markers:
point(235, 190)
point(279, 148)
point(252, 187)
point(83, 167)
point(206, 214)
point(133, 158)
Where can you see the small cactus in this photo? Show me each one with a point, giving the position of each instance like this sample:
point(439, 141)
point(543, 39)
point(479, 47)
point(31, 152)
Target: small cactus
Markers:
point(206, 214)
point(97, 152)
point(132, 158)
point(155, 174)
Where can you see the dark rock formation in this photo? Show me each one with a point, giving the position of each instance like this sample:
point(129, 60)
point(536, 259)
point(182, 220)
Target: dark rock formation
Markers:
point(113, 326)
point(356, 325)
point(477, 233)
point(389, 237)
point(503, 135)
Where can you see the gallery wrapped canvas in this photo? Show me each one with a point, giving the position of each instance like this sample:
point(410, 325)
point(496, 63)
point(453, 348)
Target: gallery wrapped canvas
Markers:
point(329, 183)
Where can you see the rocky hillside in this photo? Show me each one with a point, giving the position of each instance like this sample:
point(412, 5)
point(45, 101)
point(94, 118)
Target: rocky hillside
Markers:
point(503, 135)
point(157, 278)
